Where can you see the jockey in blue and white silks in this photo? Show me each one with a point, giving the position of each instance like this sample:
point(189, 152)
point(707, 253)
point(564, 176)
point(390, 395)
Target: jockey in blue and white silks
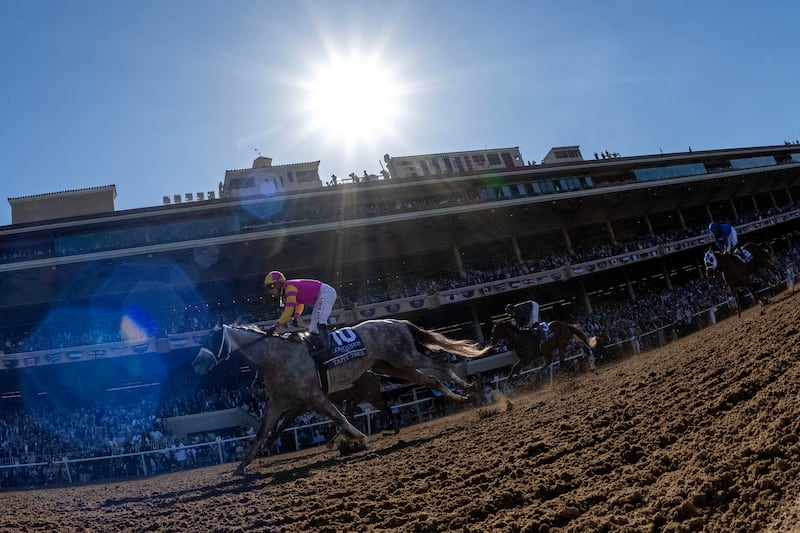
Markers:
point(728, 241)
point(725, 236)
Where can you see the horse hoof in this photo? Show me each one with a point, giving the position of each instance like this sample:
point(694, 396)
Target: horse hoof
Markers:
point(239, 471)
point(350, 447)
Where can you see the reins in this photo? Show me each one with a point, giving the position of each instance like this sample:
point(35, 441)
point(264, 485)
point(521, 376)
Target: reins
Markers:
point(218, 356)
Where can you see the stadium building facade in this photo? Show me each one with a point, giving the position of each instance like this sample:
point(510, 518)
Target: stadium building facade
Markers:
point(445, 240)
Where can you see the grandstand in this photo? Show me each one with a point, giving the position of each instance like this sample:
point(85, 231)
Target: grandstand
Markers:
point(101, 301)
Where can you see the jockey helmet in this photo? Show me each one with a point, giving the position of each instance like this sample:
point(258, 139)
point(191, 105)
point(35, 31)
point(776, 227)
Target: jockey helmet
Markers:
point(714, 226)
point(510, 309)
point(274, 281)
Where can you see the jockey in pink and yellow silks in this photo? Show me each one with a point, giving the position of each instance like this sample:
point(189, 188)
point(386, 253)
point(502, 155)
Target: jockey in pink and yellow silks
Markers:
point(294, 295)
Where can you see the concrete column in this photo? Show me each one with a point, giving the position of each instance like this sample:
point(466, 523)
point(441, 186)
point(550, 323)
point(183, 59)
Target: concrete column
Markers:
point(567, 240)
point(629, 286)
point(755, 203)
point(733, 208)
point(649, 225)
point(515, 248)
point(610, 230)
point(476, 323)
point(459, 261)
point(585, 295)
point(681, 219)
point(665, 270)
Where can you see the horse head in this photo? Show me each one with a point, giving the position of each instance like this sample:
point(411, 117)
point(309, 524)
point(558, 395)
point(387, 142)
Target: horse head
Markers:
point(499, 332)
point(493, 335)
point(211, 353)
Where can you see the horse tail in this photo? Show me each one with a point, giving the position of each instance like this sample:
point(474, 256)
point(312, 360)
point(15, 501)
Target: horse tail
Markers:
point(436, 341)
point(590, 342)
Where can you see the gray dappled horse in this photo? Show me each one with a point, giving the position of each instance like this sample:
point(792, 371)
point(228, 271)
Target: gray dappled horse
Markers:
point(739, 275)
point(395, 348)
point(529, 347)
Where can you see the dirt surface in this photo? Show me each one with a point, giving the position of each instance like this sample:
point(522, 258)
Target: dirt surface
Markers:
point(699, 436)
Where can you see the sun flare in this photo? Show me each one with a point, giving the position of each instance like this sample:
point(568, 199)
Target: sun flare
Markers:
point(353, 99)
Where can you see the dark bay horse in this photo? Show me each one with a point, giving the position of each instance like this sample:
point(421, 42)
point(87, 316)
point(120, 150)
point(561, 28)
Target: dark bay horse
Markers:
point(394, 348)
point(367, 388)
point(529, 348)
point(739, 275)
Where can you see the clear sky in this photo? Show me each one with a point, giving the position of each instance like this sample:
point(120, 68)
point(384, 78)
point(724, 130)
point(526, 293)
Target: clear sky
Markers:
point(161, 97)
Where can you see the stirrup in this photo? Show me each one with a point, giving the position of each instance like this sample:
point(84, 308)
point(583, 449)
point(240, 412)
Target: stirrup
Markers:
point(317, 345)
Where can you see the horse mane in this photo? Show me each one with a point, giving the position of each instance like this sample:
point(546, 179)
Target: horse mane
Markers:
point(254, 328)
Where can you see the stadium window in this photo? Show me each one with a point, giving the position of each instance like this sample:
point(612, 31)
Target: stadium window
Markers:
point(494, 159)
point(448, 165)
point(753, 162)
point(479, 160)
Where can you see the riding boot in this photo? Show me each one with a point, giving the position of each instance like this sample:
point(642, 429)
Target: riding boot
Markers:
point(537, 334)
point(324, 337)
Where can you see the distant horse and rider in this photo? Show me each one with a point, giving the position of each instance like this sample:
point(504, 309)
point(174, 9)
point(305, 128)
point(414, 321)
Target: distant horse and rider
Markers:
point(740, 271)
point(551, 341)
point(294, 380)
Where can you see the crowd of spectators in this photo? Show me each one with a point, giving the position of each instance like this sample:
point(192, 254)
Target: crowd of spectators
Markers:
point(254, 308)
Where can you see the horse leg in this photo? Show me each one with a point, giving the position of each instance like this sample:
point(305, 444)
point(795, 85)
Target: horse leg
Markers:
point(413, 375)
point(268, 422)
point(272, 436)
point(320, 403)
point(513, 372)
point(369, 388)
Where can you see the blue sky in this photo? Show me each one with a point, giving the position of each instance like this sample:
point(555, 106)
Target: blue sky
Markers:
point(161, 97)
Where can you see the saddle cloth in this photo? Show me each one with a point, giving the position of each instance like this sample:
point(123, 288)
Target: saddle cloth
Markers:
point(346, 345)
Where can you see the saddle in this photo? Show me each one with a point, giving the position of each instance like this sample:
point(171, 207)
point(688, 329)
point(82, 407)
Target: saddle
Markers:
point(348, 346)
point(541, 331)
point(319, 356)
point(743, 255)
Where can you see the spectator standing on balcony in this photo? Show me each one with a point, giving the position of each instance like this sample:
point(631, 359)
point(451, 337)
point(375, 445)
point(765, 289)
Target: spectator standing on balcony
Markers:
point(294, 295)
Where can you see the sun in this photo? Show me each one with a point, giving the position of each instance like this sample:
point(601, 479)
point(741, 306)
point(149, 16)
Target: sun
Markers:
point(353, 99)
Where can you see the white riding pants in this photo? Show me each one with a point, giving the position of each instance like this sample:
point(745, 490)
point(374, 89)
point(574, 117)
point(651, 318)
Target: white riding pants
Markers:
point(733, 240)
point(322, 307)
point(534, 316)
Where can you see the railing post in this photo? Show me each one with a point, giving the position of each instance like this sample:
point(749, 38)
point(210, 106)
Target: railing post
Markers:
point(66, 467)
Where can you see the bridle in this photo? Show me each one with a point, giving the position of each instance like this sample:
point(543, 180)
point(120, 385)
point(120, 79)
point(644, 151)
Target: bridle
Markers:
point(218, 357)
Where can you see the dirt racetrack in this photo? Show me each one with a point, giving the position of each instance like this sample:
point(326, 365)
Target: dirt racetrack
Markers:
point(699, 436)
